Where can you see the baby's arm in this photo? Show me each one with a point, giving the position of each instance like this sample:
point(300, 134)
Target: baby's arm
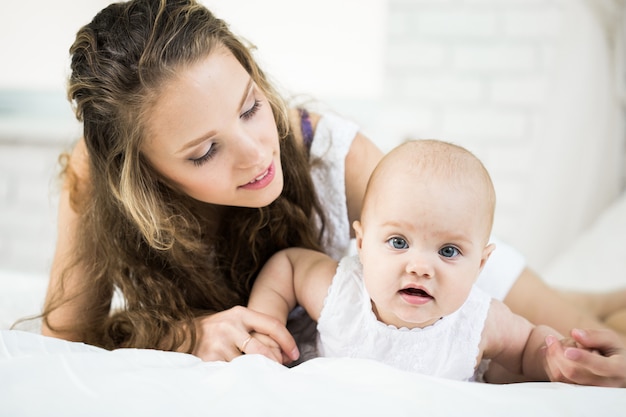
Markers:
point(514, 343)
point(273, 292)
point(290, 277)
point(540, 353)
point(293, 276)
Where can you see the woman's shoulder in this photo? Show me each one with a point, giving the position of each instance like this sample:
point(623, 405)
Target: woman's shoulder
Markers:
point(301, 121)
point(79, 159)
point(76, 172)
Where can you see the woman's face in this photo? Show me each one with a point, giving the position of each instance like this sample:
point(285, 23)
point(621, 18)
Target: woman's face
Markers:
point(212, 134)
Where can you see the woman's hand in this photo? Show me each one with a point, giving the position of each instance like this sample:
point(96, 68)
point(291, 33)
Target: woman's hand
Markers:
point(599, 359)
point(276, 354)
point(228, 334)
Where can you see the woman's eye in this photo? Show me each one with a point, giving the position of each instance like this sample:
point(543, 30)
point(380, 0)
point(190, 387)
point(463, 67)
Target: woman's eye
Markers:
point(398, 243)
point(449, 252)
point(251, 111)
point(204, 158)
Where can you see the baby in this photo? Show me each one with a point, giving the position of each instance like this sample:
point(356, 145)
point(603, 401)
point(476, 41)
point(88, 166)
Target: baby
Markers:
point(408, 299)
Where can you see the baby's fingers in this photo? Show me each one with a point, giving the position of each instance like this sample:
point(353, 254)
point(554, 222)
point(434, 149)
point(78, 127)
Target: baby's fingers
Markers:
point(554, 360)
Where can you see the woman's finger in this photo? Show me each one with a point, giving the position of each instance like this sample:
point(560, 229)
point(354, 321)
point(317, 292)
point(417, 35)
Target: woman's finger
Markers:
point(606, 341)
point(584, 366)
point(224, 335)
point(267, 325)
point(220, 336)
point(259, 345)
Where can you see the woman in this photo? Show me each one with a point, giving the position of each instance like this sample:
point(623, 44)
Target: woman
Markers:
point(191, 174)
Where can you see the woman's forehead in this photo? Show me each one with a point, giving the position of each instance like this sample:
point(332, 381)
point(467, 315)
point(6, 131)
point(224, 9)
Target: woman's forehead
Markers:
point(201, 94)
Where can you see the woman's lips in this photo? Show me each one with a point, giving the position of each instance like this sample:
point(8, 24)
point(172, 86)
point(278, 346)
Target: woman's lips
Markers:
point(262, 180)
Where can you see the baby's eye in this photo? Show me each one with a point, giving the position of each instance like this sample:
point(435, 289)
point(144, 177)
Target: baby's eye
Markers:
point(398, 243)
point(449, 252)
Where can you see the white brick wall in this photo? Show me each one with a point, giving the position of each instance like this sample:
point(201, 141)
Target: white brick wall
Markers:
point(34, 129)
point(469, 71)
point(475, 72)
point(28, 201)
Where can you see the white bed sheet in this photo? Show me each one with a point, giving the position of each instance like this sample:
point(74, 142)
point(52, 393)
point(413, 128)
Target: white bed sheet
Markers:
point(41, 376)
point(48, 377)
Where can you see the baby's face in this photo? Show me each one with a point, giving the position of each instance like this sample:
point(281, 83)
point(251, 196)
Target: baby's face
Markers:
point(422, 246)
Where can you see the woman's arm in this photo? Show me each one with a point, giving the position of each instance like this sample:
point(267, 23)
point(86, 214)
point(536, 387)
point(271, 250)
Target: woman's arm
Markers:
point(361, 160)
point(533, 299)
point(69, 300)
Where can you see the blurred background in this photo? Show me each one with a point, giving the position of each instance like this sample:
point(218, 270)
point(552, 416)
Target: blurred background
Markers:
point(534, 87)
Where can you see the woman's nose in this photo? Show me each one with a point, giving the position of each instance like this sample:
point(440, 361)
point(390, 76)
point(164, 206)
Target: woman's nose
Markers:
point(250, 150)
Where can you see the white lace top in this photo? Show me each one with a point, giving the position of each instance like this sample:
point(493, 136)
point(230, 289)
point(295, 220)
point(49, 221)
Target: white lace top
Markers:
point(348, 328)
point(331, 143)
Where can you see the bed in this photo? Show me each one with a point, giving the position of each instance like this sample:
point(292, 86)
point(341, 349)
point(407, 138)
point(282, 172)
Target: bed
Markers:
point(41, 376)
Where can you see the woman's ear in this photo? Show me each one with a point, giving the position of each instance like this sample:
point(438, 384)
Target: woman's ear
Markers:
point(358, 233)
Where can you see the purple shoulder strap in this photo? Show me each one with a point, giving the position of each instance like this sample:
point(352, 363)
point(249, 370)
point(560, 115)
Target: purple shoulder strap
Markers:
point(307, 129)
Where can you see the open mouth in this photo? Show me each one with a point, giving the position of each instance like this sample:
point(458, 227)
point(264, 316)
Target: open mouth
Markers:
point(415, 292)
point(261, 180)
point(260, 177)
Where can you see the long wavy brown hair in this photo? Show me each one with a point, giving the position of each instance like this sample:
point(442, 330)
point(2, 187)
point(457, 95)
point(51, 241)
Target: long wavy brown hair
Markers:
point(173, 258)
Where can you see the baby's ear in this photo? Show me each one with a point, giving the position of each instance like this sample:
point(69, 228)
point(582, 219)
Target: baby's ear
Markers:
point(358, 233)
point(486, 254)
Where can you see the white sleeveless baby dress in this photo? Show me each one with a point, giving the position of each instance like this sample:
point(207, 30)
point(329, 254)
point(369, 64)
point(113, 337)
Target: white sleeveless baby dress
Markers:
point(348, 328)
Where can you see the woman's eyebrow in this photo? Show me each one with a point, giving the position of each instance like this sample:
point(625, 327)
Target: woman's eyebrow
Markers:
point(196, 141)
point(210, 133)
point(246, 92)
